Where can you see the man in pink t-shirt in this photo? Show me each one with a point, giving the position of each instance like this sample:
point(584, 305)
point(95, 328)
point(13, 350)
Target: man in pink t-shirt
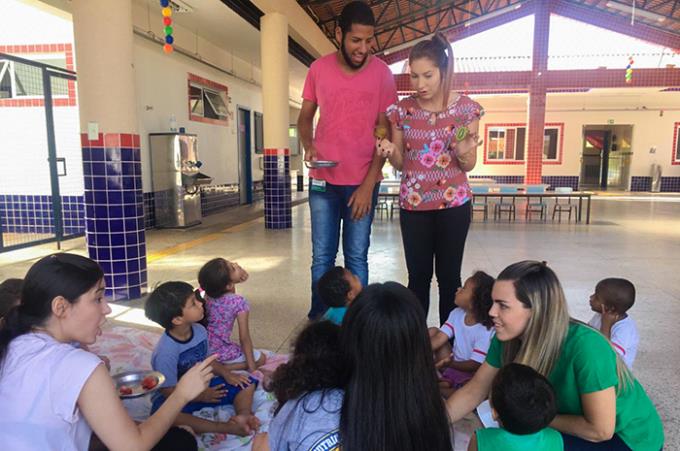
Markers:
point(352, 90)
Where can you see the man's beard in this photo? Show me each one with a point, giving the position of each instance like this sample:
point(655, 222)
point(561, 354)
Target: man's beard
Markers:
point(348, 58)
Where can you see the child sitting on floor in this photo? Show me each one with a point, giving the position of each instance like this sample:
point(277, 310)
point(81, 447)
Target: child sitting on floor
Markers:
point(218, 278)
point(311, 381)
point(523, 402)
point(10, 296)
point(611, 301)
point(337, 288)
point(173, 305)
point(472, 329)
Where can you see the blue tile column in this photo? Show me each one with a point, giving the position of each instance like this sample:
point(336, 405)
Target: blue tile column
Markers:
point(277, 200)
point(114, 212)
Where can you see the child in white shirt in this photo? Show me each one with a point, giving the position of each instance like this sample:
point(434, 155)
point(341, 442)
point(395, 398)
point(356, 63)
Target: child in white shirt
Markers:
point(611, 301)
point(471, 328)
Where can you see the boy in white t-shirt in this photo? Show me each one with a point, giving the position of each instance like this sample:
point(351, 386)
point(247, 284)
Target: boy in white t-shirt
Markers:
point(611, 301)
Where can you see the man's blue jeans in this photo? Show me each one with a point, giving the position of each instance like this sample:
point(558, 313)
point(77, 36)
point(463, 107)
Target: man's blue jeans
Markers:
point(328, 211)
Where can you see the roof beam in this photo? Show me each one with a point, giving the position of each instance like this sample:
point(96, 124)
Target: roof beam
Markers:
point(558, 79)
point(616, 23)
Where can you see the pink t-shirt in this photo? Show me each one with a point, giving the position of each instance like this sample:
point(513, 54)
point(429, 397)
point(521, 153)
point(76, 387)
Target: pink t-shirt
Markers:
point(431, 178)
point(349, 106)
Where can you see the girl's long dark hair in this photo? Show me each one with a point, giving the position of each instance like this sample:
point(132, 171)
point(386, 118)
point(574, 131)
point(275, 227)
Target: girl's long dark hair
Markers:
point(62, 274)
point(316, 364)
point(391, 399)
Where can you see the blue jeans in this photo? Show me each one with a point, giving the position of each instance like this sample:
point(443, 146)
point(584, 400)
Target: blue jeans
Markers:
point(328, 211)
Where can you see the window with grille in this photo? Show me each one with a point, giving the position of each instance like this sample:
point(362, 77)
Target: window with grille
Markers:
point(208, 101)
point(506, 143)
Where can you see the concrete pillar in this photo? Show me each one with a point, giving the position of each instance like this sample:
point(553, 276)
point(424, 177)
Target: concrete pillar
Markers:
point(537, 95)
point(114, 208)
point(274, 51)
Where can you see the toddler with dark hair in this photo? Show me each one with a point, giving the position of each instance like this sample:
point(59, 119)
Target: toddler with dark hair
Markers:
point(337, 288)
point(523, 402)
point(611, 301)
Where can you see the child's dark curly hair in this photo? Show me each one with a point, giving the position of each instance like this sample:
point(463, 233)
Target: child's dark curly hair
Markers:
point(316, 364)
point(481, 299)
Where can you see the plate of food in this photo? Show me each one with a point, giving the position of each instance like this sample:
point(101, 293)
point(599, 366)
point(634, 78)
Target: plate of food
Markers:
point(316, 164)
point(133, 384)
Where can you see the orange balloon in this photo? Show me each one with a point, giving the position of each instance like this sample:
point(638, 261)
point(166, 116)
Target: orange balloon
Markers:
point(167, 48)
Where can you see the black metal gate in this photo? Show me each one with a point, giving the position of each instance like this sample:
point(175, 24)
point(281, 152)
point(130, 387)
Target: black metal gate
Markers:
point(41, 182)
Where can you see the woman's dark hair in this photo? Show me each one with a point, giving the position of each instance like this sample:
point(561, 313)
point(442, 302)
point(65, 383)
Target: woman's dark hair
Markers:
point(166, 302)
point(524, 399)
point(391, 398)
point(355, 13)
point(439, 51)
point(214, 277)
point(316, 364)
point(10, 295)
point(481, 298)
point(65, 275)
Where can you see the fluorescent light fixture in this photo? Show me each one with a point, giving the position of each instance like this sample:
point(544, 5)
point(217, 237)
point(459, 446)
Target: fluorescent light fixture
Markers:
point(492, 14)
point(638, 12)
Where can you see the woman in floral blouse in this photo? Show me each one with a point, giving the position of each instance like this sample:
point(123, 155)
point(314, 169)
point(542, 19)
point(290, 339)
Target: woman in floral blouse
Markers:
point(435, 141)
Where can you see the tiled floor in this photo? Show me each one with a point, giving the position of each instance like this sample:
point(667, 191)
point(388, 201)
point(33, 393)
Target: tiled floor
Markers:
point(632, 236)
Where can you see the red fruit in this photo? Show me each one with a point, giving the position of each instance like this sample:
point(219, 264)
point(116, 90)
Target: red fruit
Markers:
point(125, 390)
point(149, 382)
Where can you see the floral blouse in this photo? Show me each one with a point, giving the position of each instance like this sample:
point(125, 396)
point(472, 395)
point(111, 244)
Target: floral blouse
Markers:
point(431, 178)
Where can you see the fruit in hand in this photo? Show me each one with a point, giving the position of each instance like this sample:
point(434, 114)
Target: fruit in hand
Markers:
point(125, 390)
point(380, 132)
point(149, 382)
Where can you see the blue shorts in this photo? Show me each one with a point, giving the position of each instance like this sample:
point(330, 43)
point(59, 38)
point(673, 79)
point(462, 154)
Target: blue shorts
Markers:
point(232, 391)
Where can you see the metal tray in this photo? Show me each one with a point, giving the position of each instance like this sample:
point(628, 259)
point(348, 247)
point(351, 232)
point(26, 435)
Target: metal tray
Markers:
point(321, 164)
point(133, 379)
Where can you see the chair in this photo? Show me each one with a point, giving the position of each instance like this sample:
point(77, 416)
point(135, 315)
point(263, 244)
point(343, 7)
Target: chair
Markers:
point(567, 207)
point(504, 206)
point(536, 204)
point(385, 203)
point(478, 204)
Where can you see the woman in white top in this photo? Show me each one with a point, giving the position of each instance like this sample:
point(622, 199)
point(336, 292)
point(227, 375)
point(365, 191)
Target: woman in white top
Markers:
point(53, 395)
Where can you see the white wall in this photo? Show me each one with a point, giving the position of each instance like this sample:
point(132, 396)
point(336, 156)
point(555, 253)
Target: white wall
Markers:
point(161, 89)
point(639, 108)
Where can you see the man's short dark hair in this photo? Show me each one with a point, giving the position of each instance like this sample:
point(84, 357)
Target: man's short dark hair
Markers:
point(10, 295)
point(333, 287)
point(355, 13)
point(523, 398)
point(166, 302)
point(617, 293)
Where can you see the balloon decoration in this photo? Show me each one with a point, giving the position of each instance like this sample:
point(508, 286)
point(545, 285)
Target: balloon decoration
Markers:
point(167, 26)
point(629, 70)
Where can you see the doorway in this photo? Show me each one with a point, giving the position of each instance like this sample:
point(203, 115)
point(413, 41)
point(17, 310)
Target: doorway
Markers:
point(245, 157)
point(606, 157)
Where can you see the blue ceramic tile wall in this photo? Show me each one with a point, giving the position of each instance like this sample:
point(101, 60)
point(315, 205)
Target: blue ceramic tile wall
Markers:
point(115, 220)
point(277, 196)
point(670, 184)
point(638, 183)
point(27, 213)
point(501, 178)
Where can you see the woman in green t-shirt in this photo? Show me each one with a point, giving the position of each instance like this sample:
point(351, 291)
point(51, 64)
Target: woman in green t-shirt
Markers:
point(599, 403)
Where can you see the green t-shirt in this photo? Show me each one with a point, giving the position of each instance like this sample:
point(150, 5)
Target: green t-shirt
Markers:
point(588, 364)
point(494, 439)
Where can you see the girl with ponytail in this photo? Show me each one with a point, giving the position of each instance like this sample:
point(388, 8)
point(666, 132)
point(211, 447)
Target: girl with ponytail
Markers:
point(53, 394)
point(434, 144)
